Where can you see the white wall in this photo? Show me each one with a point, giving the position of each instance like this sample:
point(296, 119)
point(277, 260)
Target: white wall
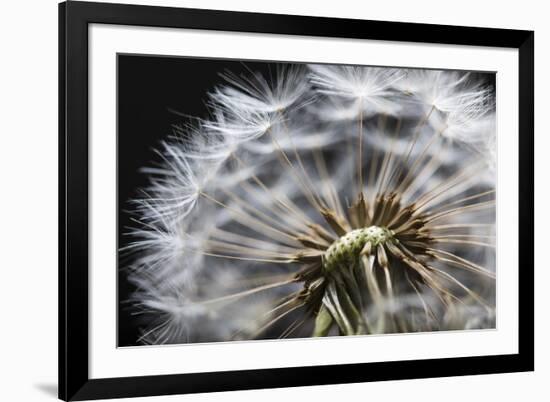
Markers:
point(28, 182)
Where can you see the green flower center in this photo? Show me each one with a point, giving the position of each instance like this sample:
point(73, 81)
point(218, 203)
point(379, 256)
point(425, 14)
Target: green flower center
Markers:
point(347, 248)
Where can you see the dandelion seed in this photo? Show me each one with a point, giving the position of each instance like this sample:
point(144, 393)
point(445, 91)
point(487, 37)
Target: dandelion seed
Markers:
point(255, 94)
point(364, 90)
point(459, 107)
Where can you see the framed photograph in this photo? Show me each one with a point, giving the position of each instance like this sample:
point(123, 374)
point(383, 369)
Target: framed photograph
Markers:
point(257, 201)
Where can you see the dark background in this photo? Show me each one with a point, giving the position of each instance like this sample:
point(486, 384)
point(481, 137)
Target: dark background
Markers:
point(153, 92)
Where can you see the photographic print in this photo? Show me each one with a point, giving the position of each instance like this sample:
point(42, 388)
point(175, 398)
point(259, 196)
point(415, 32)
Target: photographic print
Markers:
point(253, 200)
point(270, 200)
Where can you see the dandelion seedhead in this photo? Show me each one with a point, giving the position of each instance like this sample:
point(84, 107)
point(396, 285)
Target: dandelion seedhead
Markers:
point(328, 200)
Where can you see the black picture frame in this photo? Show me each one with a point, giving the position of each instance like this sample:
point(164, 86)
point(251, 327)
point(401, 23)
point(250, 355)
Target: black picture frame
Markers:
point(74, 380)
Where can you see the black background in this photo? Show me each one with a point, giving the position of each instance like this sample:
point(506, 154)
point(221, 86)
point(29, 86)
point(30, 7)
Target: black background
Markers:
point(153, 94)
